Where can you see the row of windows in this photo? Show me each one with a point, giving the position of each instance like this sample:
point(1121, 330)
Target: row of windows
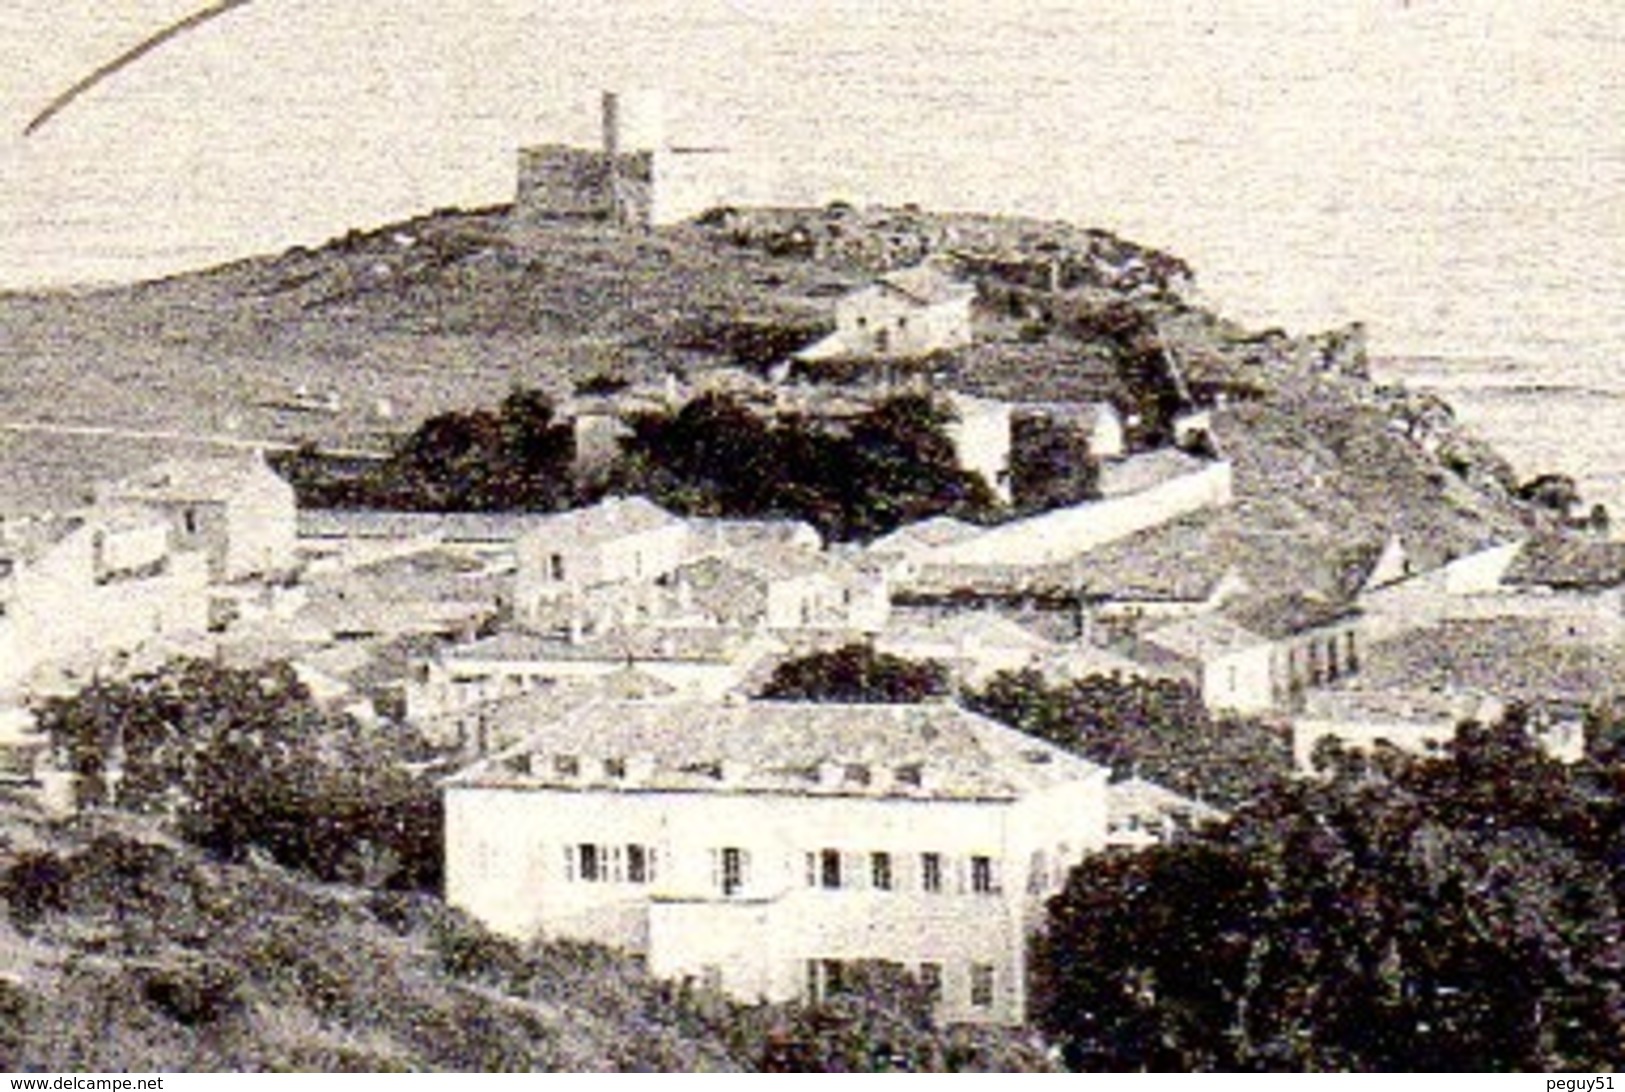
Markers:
point(828, 978)
point(834, 869)
point(591, 863)
point(830, 869)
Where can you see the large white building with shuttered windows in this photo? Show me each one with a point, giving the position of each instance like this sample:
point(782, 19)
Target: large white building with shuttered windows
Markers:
point(764, 848)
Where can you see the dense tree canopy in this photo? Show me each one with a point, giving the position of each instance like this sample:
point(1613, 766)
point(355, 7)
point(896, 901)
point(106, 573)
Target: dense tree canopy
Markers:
point(1155, 727)
point(889, 466)
point(241, 760)
point(857, 673)
point(516, 458)
point(1459, 914)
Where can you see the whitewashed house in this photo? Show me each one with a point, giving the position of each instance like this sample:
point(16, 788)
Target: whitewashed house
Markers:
point(89, 585)
point(782, 587)
point(618, 541)
point(703, 662)
point(904, 314)
point(762, 848)
point(234, 508)
point(1262, 654)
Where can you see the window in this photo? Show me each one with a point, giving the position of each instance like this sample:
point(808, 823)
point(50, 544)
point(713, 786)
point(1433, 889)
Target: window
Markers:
point(555, 566)
point(931, 980)
point(591, 864)
point(981, 876)
point(731, 868)
point(829, 868)
point(189, 520)
point(931, 872)
point(981, 985)
point(880, 871)
point(640, 864)
point(1037, 873)
point(825, 978)
point(615, 768)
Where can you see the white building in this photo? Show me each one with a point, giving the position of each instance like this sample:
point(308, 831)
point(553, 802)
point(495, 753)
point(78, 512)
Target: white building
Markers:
point(901, 315)
point(618, 541)
point(706, 662)
point(235, 508)
point(82, 587)
point(762, 847)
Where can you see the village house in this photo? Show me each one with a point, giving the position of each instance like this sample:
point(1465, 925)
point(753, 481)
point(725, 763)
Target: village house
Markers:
point(85, 586)
point(1141, 814)
point(1423, 721)
point(618, 541)
point(902, 315)
point(234, 508)
point(1261, 654)
point(707, 662)
point(765, 848)
point(781, 587)
point(973, 644)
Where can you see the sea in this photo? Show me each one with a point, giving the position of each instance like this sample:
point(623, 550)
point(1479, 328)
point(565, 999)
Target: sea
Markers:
point(1452, 172)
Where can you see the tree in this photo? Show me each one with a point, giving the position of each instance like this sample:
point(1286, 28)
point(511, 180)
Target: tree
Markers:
point(857, 673)
point(718, 457)
point(518, 457)
point(239, 759)
point(1155, 727)
point(1459, 914)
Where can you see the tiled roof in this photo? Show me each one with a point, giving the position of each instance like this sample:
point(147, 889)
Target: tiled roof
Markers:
point(1568, 563)
point(927, 284)
point(1140, 472)
point(723, 535)
point(609, 519)
point(198, 478)
point(1287, 615)
point(461, 527)
point(1146, 801)
point(973, 630)
point(935, 751)
point(699, 644)
point(1511, 658)
point(1203, 637)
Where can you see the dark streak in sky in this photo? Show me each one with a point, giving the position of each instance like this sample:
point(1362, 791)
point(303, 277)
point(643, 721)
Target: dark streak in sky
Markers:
point(129, 57)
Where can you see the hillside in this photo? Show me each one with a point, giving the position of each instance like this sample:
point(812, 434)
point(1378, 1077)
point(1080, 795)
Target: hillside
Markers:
point(126, 951)
point(453, 309)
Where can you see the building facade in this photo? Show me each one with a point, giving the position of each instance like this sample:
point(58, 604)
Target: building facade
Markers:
point(238, 511)
point(765, 848)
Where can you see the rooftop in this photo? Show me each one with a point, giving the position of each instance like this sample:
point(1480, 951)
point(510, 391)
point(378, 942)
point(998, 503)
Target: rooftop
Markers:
point(1280, 616)
point(927, 284)
point(457, 527)
point(698, 644)
point(1148, 470)
point(935, 751)
point(1572, 564)
point(1203, 637)
point(1510, 658)
point(609, 519)
point(217, 477)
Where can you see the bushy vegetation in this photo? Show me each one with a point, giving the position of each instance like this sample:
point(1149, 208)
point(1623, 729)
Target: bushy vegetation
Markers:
point(1451, 915)
point(240, 760)
point(857, 673)
point(1158, 728)
point(889, 466)
point(155, 958)
point(515, 458)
